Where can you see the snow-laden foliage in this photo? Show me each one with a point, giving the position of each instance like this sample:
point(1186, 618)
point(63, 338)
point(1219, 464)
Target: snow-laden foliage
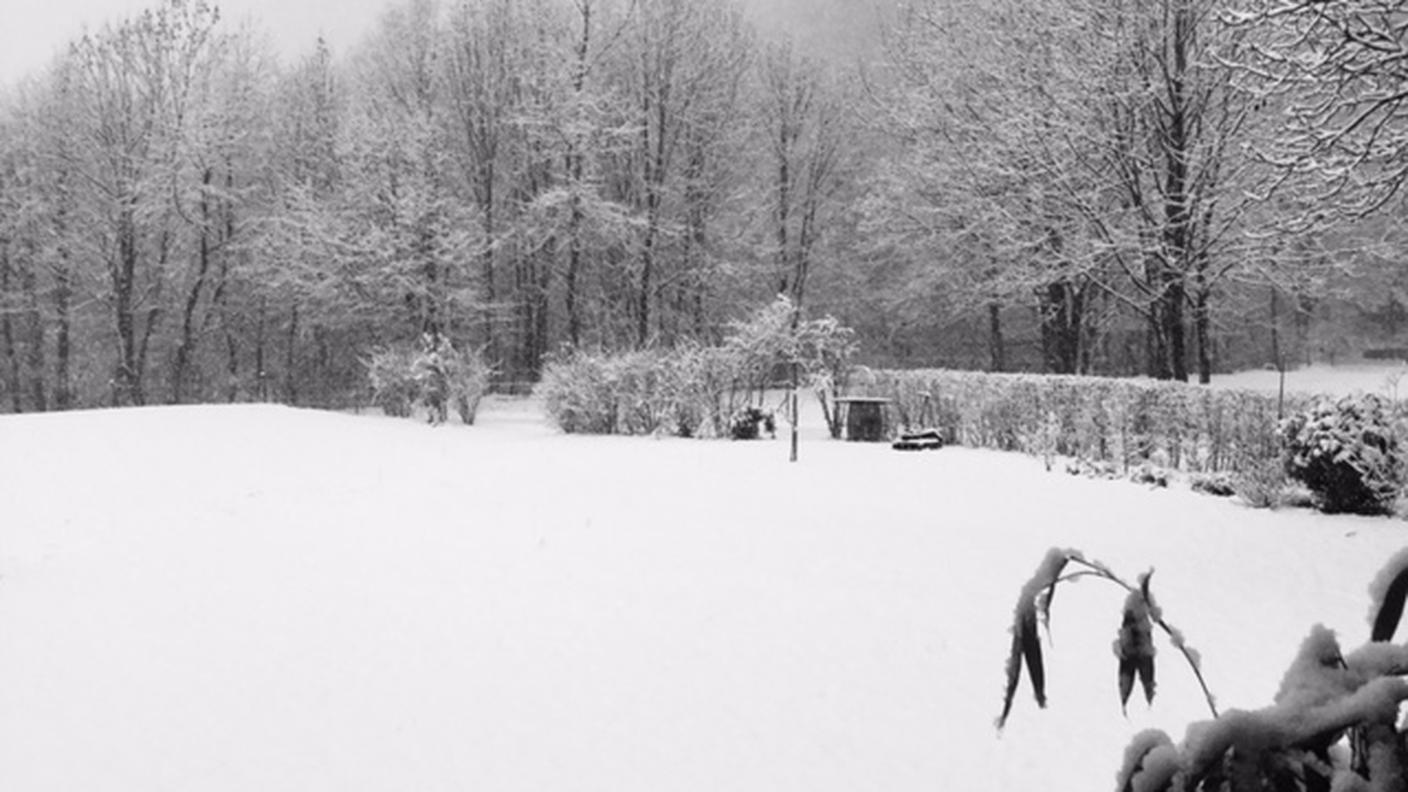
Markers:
point(1347, 452)
point(696, 390)
point(433, 376)
point(1033, 605)
point(1150, 762)
point(1326, 699)
point(1219, 485)
point(1127, 423)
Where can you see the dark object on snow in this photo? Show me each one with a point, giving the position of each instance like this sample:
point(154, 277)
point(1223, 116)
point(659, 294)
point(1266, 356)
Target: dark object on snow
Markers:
point(746, 423)
point(864, 417)
point(927, 440)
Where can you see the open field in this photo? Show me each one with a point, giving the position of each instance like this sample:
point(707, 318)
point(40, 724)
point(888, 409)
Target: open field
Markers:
point(261, 598)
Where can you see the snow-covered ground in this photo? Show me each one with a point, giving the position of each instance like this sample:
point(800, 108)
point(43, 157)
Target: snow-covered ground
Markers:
point(260, 598)
point(1382, 378)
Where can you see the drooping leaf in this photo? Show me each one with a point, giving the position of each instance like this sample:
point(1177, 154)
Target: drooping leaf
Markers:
point(1388, 592)
point(1014, 673)
point(1026, 639)
point(1134, 646)
point(1031, 651)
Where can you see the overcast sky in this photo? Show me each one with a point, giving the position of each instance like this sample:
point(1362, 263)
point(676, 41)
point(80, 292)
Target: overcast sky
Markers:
point(32, 31)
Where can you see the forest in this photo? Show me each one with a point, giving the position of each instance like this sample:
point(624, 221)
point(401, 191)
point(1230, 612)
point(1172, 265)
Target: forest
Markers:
point(1170, 188)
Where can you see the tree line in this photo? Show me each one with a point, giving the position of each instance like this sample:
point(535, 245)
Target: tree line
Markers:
point(1061, 185)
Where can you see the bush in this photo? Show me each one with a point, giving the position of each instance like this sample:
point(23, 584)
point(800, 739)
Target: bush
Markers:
point(1262, 484)
point(395, 388)
point(432, 375)
point(1218, 485)
point(1333, 724)
point(750, 422)
point(1347, 454)
point(1150, 475)
point(693, 390)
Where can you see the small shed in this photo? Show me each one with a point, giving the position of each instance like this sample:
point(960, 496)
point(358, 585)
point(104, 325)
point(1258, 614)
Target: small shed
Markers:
point(864, 417)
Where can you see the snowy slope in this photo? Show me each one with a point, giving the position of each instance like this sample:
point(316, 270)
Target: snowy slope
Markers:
point(260, 598)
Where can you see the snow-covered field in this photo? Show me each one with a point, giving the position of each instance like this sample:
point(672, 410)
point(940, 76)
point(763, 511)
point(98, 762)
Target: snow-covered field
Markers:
point(260, 598)
point(1382, 378)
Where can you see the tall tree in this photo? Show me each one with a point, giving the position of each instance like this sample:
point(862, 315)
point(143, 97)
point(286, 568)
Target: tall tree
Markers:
point(134, 85)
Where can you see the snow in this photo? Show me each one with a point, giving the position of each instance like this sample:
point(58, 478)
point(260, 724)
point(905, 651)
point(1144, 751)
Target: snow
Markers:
point(256, 597)
point(1382, 378)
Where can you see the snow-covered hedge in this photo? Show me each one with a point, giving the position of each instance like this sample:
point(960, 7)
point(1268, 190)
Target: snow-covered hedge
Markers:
point(1348, 453)
point(1121, 421)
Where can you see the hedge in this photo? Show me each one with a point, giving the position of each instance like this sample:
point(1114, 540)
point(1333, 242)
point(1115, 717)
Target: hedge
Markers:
point(1123, 422)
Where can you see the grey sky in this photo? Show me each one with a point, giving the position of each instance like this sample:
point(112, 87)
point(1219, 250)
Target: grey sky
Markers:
point(32, 31)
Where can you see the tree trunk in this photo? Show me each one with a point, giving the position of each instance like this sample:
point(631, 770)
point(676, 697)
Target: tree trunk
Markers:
point(261, 369)
point(291, 359)
point(997, 347)
point(13, 382)
point(186, 347)
point(1177, 143)
point(124, 272)
point(574, 257)
point(34, 359)
point(63, 330)
point(1277, 358)
point(1062, 330)
point(1202, 323)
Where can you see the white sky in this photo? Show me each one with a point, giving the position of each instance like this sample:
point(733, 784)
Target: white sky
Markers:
point(33, 31)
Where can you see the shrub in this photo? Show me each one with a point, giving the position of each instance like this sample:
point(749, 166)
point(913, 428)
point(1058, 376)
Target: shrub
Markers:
point(1262, 483)
point(1327, 698)
point(1219, 485)
point(578, 393)
point(750, 422)
point(392, 374)
point(1346, 452)
point(469, 375)
point(694, 390)
point(432, 375)
point(1150, 475)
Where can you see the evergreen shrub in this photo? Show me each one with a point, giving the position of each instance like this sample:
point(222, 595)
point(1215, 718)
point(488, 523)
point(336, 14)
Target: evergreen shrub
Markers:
point(1347, 453)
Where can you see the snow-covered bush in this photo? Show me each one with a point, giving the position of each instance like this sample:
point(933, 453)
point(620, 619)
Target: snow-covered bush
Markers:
point(1347, 453)
point(694, 390)
point(1262, 483)
point(1218, 485)
point(392, 373)
point(1333, 725)
point(432, 375)
point(579, 394)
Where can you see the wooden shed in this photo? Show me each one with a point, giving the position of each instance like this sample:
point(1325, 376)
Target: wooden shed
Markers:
point(864, 417)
